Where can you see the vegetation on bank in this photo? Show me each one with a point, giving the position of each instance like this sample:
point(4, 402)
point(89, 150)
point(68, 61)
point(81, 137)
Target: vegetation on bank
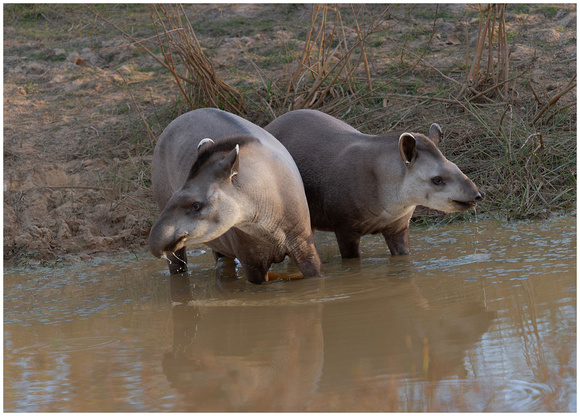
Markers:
point(515, 139)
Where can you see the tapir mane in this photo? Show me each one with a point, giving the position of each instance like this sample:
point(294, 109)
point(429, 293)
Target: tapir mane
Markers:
point(224, 145)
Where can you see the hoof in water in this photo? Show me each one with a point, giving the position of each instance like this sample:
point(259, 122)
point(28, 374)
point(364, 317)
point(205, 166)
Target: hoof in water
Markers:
point(279, 277)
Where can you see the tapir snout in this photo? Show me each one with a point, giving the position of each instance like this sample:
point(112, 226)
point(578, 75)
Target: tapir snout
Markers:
point(165, 238)
point(474, 195)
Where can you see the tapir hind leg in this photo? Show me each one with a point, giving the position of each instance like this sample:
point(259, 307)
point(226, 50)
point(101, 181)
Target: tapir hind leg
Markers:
point(177, 261)
point(348, 243)
point(398, 243)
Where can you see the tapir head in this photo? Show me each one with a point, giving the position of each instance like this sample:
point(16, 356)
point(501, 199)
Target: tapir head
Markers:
point(432, 180)
point(205, 207)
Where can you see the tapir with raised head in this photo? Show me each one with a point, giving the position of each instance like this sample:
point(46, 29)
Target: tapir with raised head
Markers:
point(221, 180)
point(359, 184)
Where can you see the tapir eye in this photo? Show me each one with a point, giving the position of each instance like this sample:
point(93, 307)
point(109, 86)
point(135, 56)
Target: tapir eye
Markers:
point(437, 180)
point(196, 206)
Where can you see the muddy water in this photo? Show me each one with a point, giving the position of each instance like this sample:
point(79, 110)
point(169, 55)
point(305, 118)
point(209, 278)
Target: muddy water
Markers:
point(480, 317)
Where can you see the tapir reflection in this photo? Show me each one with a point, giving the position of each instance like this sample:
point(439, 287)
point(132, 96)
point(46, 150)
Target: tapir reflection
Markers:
point(290, 356)
point(243, 358)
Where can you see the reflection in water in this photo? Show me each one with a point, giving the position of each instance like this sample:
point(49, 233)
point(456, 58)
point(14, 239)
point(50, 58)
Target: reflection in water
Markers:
point(220, 361)
point(478, 318)
point(231, 358)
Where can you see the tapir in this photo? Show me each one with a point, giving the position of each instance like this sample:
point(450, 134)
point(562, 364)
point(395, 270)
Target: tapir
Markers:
point(359, 184)
point(221, 180)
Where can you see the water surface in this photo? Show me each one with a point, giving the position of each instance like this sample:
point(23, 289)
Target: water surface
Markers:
point(480, 317)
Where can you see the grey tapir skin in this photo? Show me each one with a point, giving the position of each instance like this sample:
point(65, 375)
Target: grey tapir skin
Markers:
point(359, 184)
point(243, 196)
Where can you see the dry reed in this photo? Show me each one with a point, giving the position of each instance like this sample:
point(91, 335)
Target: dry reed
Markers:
point(325, 75)
point(492, 32)
point(184, 58)
point(200, 84)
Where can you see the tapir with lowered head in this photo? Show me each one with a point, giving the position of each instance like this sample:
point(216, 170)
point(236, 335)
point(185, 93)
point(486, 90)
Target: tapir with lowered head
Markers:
point(359, 184)
point(221, 180)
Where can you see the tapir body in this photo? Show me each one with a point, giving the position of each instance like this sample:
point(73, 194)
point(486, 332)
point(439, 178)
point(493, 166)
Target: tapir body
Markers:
point(221, 180)
point(359, 184)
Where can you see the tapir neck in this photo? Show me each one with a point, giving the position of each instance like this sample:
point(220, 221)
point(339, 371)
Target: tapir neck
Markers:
point(258, 215)
point(389, 176)
point(261, 230)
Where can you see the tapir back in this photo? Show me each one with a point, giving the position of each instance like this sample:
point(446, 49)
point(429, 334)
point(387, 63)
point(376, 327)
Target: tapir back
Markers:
point(176, 149)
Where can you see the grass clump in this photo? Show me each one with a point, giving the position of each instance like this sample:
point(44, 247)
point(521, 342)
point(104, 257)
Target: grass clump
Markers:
point(525, 173)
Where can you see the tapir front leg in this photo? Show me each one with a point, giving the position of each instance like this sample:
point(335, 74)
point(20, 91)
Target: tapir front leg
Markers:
point(306, 258)
point(255, 274)
point(399, 242)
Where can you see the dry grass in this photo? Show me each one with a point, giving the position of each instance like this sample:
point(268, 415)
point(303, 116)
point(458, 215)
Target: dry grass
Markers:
point(183, 57)
point(492, 32)
point(497, 125)
point(200, 84)
point(324, 76)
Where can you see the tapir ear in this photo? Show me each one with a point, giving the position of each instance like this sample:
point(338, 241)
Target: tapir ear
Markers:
point(408, 148)
point(435, 133)
point(232, 162)
point(204, 145)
